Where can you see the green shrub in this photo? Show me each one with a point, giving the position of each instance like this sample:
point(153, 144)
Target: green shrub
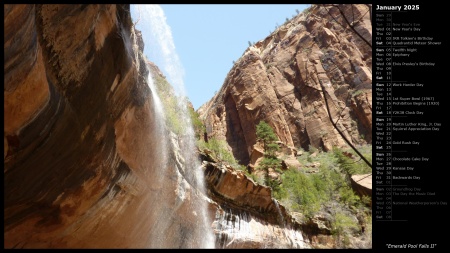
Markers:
point(301, 192)
point(269, 162)
point(257, 179)
point(329, 187)
point(240, 167)
point(341, 227)
point(219, 150)
point(307, 192)
point(312, 149)
point(366, 200)
point(199, 127)
point(368, 226)
point(274, 184)
point(173, 114)
point(352, 166)
point(271, 148)
point(348, 197)
point(265, 133)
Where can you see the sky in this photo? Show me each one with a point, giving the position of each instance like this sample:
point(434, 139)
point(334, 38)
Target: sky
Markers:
point(207, 38)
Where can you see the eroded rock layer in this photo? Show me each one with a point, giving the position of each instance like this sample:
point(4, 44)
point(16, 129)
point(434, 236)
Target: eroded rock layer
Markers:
point(83, 154)
point(83, 165)
point(283, 78)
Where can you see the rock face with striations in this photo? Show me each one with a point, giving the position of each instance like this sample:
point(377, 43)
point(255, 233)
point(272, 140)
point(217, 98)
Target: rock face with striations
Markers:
point(283, 78)
point(82, 165)
point(83, 151)
point(246, 215)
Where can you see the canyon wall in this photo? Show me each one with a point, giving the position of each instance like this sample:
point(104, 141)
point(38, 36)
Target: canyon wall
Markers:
point(85, 163)
point(83, 152)
point(284, 78)
point(82, 164)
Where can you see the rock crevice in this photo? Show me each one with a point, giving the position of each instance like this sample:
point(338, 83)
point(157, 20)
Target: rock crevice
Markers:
point(279, 80)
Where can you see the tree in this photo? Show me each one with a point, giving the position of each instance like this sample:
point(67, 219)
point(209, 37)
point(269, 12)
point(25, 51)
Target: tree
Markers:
point(324, 91)
point(271, 148)
point(265, 133)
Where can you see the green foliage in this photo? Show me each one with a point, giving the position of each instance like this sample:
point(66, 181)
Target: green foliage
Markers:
point(329, 187)
point(303, 158)
point(366, 200)
point(280, 192)
point(265, 133)
point(348, 197)
point(258, 179)
point(173, 117)
point(219, 150)
point(312, 149)
point(163, 86)
point(173, 111)
point(199, 127)
point(169, 100)
point(272, 183)
point(356, 93)
point(341, 223)
point(352, 166)
point(303, 194)
point(241, 167)
point(345, 163)
point(368, 227)
point(269, 162)
point(341, 227)
point(271, 149)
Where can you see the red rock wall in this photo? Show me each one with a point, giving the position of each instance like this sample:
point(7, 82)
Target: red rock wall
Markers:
point(280, 79)
point(80, 144)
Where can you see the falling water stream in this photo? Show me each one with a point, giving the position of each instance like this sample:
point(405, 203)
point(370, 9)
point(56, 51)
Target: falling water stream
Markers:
point(229, 230)
point(157, 37)
point(243, 230)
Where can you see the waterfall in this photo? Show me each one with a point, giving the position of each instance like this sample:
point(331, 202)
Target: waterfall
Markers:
point(279, 212)
point(238, 229)
point(243, 230)
point(157, 37)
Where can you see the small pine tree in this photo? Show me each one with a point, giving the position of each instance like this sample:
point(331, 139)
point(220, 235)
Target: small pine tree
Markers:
point(271, 148)
point(265, 133)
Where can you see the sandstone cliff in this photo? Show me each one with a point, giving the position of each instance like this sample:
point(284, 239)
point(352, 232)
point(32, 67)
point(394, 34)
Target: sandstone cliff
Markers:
point(87, 162)
point(88, 166)
point(83, 165)
point(281, 79)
